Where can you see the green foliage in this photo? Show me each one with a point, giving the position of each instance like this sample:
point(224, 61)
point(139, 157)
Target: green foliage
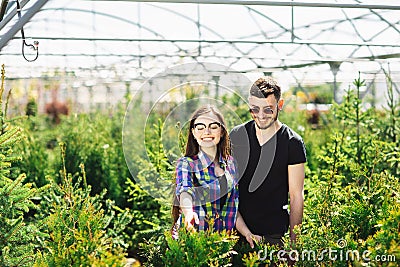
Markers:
point(31, 107)
point(145, 209)
point(240, 105)
point(36, 159)
point(17, 237)
point(154, 181)
point(156, 152)
point(76, 228)
point(94, 139)
point(96, 142)
point(202, 248)
point(357, 144)
point(314, 138)
point(148, 215)
point(245, 255)
point(319, 94)
point(386, 241)
point(153, 247)
point(356, 188)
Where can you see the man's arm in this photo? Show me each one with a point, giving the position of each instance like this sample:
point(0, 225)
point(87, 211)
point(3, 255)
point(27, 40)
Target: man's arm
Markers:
point(245, 231)
point(296, 193)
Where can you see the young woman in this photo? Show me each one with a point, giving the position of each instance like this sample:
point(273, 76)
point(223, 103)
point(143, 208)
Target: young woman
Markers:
point(206, 178)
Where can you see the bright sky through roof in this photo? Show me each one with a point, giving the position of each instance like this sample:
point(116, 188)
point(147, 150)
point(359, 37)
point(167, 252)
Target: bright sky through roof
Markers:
point(82, 36)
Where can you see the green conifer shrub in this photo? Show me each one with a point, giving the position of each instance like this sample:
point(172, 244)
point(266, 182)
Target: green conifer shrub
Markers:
point(76, 228)
point(17, 237)
point(202, 248)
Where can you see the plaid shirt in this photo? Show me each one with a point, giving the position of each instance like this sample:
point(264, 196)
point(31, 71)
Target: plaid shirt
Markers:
point(196, 176)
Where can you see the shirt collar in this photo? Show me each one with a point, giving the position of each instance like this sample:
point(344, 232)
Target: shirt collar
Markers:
point(206, 161)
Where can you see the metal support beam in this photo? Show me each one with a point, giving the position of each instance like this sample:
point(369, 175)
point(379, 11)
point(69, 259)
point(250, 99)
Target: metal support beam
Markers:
point(214, 41)
point(271, 3)
point(12, 14)
point(3, 7)
point(21, 22)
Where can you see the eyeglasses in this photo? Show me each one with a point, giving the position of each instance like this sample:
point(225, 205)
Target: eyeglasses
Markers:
point(256, 110)
point(201, 127)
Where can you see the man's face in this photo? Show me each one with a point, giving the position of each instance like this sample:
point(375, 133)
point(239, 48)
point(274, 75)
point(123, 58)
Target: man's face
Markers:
point(264, 111)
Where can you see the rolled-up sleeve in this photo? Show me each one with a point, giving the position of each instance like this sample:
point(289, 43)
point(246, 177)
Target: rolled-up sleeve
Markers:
point(184, 181)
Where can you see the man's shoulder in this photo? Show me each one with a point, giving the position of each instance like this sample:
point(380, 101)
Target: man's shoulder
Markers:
point(290, 133)
point(240, 127)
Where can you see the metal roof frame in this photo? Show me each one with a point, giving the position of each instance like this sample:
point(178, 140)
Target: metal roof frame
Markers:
point(208, 47)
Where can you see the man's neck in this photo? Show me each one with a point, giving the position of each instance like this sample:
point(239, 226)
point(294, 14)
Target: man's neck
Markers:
point(263, 135)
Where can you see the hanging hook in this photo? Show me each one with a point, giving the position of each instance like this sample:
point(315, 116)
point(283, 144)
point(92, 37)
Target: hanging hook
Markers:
point(34, 46)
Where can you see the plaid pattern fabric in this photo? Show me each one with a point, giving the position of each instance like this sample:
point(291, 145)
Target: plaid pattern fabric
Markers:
point(196, 176)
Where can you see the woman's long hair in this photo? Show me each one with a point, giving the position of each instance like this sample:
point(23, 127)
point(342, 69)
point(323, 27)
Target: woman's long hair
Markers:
point(192, 147)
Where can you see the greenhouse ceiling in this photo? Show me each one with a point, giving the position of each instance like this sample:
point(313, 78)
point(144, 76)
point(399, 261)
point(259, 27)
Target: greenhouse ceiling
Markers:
point(301, 42)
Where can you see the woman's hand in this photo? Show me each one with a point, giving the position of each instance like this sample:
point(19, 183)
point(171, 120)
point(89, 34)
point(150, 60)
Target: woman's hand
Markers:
point(191, 218)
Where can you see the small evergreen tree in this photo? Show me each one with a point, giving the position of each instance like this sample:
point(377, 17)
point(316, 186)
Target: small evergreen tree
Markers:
point(17, 238)
point(76, 227)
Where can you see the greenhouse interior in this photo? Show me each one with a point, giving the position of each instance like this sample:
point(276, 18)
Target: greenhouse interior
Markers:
point(96, 99)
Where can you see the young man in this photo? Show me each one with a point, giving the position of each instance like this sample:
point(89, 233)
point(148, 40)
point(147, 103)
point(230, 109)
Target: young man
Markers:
point(270, 159)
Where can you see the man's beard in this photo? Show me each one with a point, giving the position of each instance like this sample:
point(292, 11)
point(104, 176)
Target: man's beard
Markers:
point(274, 119)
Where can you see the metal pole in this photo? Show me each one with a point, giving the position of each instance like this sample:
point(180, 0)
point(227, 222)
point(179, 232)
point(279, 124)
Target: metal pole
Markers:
point(21, 22)
point(11, 14)
point(271, 3)
point(293, 37)
point(4, 4)
point(233, 41)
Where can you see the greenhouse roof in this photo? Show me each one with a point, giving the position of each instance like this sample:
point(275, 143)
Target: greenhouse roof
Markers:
point(300, 42)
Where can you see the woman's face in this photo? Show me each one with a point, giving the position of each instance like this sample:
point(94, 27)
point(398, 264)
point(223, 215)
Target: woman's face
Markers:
point(207, 130)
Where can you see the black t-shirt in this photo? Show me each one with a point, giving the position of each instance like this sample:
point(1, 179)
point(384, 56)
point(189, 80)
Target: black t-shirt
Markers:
point(263, 174)
point(223, 189)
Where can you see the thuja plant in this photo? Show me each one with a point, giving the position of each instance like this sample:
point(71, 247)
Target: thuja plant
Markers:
point(76, 227)
point(342, 218)
point(17, 237)
point(202, 248)
point(386, 241)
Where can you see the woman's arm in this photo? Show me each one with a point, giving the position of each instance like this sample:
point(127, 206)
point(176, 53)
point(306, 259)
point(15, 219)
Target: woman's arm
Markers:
point(184, 191)
point(190, 217)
